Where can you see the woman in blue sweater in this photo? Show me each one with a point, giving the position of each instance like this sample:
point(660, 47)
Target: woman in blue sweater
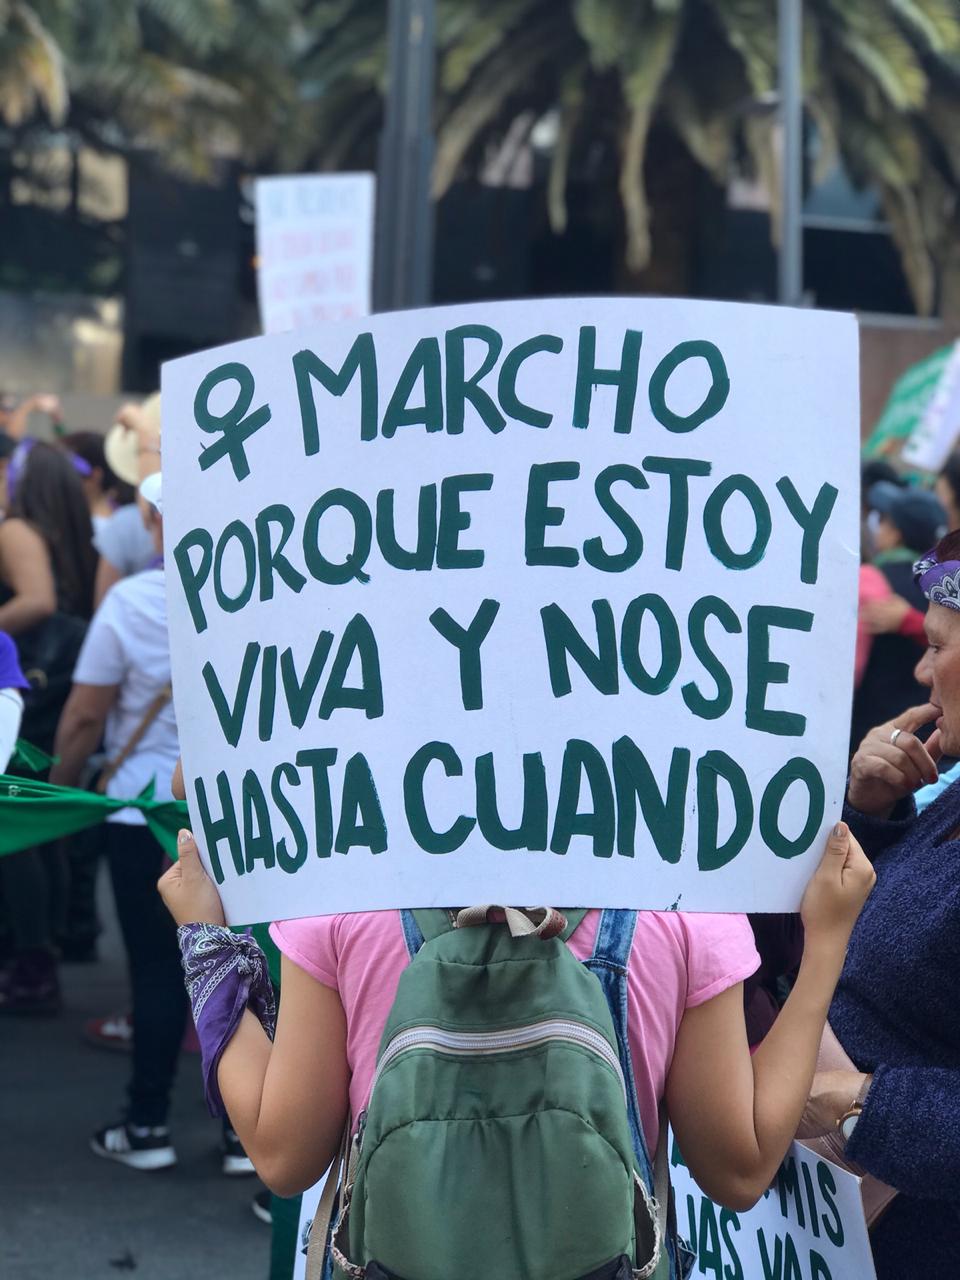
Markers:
point(897, 1006)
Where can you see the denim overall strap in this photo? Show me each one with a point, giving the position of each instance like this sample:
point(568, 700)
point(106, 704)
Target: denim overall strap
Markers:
point(412, 935)
point(610, 960)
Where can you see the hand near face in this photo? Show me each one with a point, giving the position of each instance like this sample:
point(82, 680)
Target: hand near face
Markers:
point(892, 762)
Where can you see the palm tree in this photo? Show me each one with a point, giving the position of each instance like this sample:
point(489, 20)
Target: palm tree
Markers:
point(299, 84)
point(189, 78)
point(881, 79)
point(32, 72)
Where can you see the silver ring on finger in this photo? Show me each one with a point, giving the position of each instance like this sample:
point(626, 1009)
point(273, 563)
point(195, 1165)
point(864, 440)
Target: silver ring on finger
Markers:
point(895, 735)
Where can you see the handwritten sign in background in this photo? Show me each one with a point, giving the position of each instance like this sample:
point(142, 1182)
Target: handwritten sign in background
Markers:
point(314, 248)
point(540, 602)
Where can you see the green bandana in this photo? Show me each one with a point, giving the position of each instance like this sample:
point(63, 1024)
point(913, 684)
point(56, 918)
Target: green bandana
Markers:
point(32, 813)
point(30, 758)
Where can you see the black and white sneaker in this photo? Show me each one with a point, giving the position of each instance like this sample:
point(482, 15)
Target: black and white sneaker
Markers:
point(236, 1162)
point(135, 1146)
point(262, 1206)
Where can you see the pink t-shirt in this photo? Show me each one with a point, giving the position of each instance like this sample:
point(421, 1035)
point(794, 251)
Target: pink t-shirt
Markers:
point(678, 960)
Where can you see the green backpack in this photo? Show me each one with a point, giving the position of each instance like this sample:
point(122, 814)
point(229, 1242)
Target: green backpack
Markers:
point(497, 1143)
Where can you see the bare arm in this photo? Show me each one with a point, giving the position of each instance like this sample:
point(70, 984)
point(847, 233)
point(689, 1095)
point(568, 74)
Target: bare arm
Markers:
point(288, 1101)
point(80, 730)
point(25, 567)
point(107, 576)
point(734, 1142)
point(735, 1148)
point(43, 402)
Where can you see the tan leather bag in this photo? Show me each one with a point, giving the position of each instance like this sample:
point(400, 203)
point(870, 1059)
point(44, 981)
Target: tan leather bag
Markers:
point(876, 1194)
point(110, 768)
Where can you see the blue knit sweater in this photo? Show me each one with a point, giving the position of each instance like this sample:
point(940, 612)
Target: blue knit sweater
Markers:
point(897, 1014)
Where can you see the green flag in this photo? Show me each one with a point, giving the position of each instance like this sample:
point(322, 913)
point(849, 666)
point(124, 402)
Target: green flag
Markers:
point(901, 415)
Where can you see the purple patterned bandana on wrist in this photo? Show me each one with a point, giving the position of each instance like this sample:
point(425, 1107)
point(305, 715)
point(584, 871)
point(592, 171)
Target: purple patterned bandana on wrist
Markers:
point(939, 582)
point(225, 974)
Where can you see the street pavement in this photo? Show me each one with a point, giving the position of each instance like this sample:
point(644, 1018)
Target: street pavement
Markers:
point(65, 1214)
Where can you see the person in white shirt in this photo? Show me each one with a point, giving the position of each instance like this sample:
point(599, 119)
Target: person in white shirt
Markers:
point(121, 695)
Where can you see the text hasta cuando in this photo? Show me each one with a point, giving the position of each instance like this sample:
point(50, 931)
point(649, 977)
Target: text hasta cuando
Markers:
point(282, 550)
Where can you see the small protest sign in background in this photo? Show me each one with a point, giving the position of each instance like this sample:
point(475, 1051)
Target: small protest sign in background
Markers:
point(939, 428)
point(808, 1226)
point(314, 249)
point(526, 603)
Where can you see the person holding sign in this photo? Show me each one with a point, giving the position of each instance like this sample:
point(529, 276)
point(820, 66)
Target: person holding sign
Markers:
point(438, 584)
point(895, 1010)
point(288, 1098)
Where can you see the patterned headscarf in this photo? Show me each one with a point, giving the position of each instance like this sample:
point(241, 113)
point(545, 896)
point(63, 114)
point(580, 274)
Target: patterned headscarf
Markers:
point(939, 581)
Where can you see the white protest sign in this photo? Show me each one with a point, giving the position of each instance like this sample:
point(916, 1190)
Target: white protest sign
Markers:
point(938, 430)
point(808, 1226)
point(518, 603)
point(314, 249)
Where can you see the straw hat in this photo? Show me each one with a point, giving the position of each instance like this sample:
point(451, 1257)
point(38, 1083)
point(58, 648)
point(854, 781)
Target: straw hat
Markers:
point(121, 446)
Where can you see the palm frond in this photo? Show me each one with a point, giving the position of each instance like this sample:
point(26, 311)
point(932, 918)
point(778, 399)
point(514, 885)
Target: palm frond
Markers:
point(751, 28)
point(461, 53)
point(496, 82)
point(875, 42)
point(572, 99)
point(902, 212)
point(608, 28)
point(708, 136)
point(935, 22)
point(32, 71)
point(649, 62)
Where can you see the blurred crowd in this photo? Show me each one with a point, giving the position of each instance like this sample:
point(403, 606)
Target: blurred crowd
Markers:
point(85, 669)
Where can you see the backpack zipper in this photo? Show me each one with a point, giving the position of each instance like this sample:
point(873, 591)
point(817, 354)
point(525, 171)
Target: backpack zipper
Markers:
point(468, 1043)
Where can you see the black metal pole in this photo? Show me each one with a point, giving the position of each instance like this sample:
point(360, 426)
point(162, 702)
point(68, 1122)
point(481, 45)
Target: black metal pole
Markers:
point(790, 19)
point(403, 263)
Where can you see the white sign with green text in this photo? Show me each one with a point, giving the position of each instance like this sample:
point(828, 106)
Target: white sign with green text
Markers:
point(534, 602)
point(808, 1226)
